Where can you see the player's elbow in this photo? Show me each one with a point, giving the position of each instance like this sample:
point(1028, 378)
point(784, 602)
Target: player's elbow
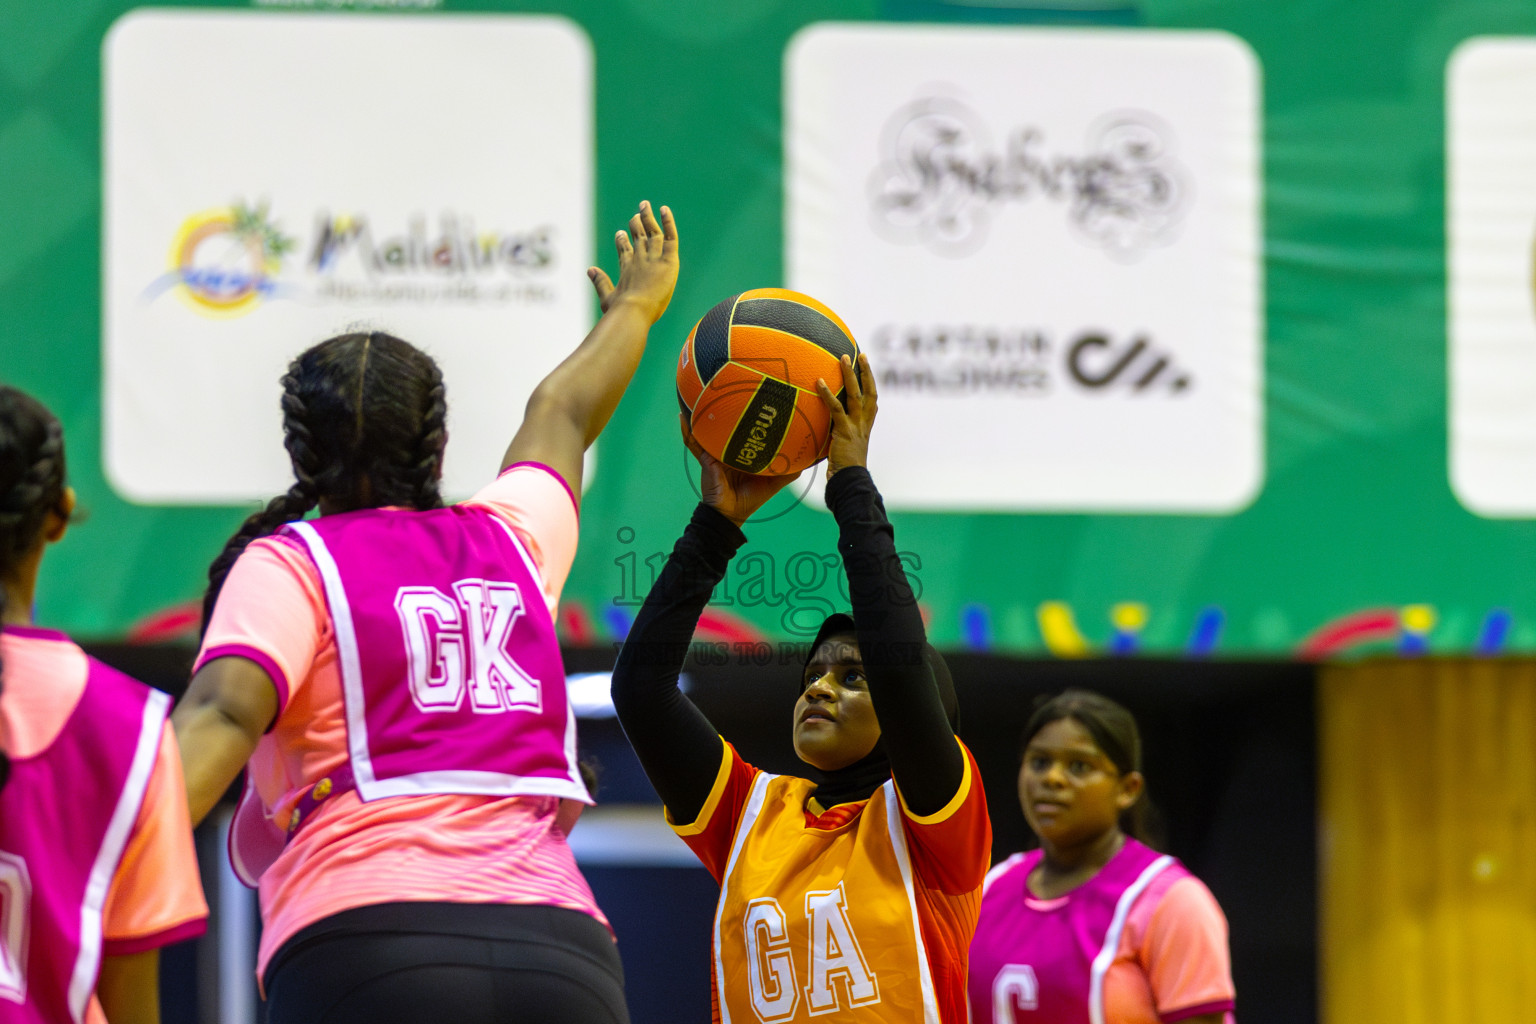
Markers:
point(552, 406)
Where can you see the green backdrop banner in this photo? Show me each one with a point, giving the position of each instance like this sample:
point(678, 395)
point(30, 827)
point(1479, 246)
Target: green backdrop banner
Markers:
point(1338, 528)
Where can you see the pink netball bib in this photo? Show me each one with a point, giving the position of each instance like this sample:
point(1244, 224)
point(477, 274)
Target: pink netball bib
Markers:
point(451, 673)
point(65, 818)
point(1039, 961)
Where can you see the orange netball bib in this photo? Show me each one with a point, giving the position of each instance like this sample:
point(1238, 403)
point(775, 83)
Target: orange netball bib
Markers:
point(813, 922)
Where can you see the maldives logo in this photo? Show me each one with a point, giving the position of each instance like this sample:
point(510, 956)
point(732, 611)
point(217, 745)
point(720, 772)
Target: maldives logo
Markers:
point(225, 261)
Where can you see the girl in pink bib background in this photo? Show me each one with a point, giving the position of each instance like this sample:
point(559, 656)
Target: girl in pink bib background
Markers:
point(388, 674)
point(1095, 927)
point(97, 866)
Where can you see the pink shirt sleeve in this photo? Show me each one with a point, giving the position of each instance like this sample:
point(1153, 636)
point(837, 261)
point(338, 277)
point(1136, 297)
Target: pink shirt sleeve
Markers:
point(272, 611)
point(1183, 950)
point(156, 896)
point(540, 507)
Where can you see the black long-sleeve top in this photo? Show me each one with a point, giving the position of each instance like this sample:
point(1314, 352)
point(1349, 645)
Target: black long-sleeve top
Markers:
point(678, 747)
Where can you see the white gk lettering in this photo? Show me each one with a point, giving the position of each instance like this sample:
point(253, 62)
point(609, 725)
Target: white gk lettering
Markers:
point(460, 643)
point(1015, 987)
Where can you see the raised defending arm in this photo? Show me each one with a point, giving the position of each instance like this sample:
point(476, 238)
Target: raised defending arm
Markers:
point(570, 407)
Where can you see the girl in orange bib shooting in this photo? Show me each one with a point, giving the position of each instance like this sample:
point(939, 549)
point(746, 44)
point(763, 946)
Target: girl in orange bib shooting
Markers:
point(854, 893)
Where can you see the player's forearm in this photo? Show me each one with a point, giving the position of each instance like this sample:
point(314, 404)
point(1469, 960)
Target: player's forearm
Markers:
point(926, 762)
point(677, 746)
point(129, 988)
point(228, 706)
point(214, 747)
point(215, 743)
point(586, 387)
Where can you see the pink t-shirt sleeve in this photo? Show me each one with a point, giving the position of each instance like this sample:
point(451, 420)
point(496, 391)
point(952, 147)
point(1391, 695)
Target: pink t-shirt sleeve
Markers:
point(271, 611)
point(156, 896)
point(1184, 952)
point(540, 507)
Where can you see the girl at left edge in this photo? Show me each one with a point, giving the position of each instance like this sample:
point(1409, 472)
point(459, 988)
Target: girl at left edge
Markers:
point(409, 842)
point(97, 866)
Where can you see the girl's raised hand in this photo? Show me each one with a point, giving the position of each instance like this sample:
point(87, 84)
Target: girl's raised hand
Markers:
point(732, 493)
point(647, 265)
point(851, 426)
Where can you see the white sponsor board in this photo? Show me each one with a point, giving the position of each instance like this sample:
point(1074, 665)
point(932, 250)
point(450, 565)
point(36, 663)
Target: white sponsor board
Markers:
point(275, 179)
point(1490, 234)
point(1049, 243)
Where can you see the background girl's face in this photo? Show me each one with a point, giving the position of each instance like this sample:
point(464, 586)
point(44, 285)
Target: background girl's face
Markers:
point(1070, 790)
point(835, 721)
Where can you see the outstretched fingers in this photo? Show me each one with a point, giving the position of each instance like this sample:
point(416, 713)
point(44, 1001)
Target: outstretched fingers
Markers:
point(668, 225)
point(834, 407)
point(648, 220)
point(602, 283)
point(851, 386)
point(865, 381)
point(853, 396)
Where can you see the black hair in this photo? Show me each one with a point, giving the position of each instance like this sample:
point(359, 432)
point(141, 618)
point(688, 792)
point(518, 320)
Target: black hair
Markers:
point(1114, 732)
point(365, 424)
point(31, 485)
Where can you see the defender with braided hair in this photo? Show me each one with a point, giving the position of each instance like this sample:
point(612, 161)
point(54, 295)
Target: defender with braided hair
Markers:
point(97, 866)
point(390, 672)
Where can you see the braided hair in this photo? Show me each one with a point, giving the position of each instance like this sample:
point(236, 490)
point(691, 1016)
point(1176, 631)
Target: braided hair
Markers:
point(31, 486)
point(365, 424)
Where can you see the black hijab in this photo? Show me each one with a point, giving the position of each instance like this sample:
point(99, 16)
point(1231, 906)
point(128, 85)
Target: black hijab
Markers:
point(858, 781)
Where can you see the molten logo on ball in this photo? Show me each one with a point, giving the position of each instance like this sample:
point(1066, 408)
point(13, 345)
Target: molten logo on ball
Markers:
point(757, 438)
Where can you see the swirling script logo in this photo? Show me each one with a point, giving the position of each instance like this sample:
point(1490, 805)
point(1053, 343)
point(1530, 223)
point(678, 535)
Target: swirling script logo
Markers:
point(940, 181)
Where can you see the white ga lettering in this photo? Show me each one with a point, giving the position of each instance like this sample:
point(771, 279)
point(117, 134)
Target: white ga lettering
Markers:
point(460, 642)
point(835, 956)
point(770, 964)
point(15, 926)
point(1014, 987)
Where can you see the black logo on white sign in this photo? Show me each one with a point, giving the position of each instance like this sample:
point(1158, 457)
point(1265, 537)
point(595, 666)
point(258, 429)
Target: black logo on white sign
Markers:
point(1095, 361)
point(972, 359)
point(940, 180)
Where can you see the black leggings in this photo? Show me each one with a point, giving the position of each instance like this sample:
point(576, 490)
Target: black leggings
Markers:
point(465, 963)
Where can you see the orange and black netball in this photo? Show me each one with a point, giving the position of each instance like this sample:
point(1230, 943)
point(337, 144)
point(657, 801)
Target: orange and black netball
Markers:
point(746, 379)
